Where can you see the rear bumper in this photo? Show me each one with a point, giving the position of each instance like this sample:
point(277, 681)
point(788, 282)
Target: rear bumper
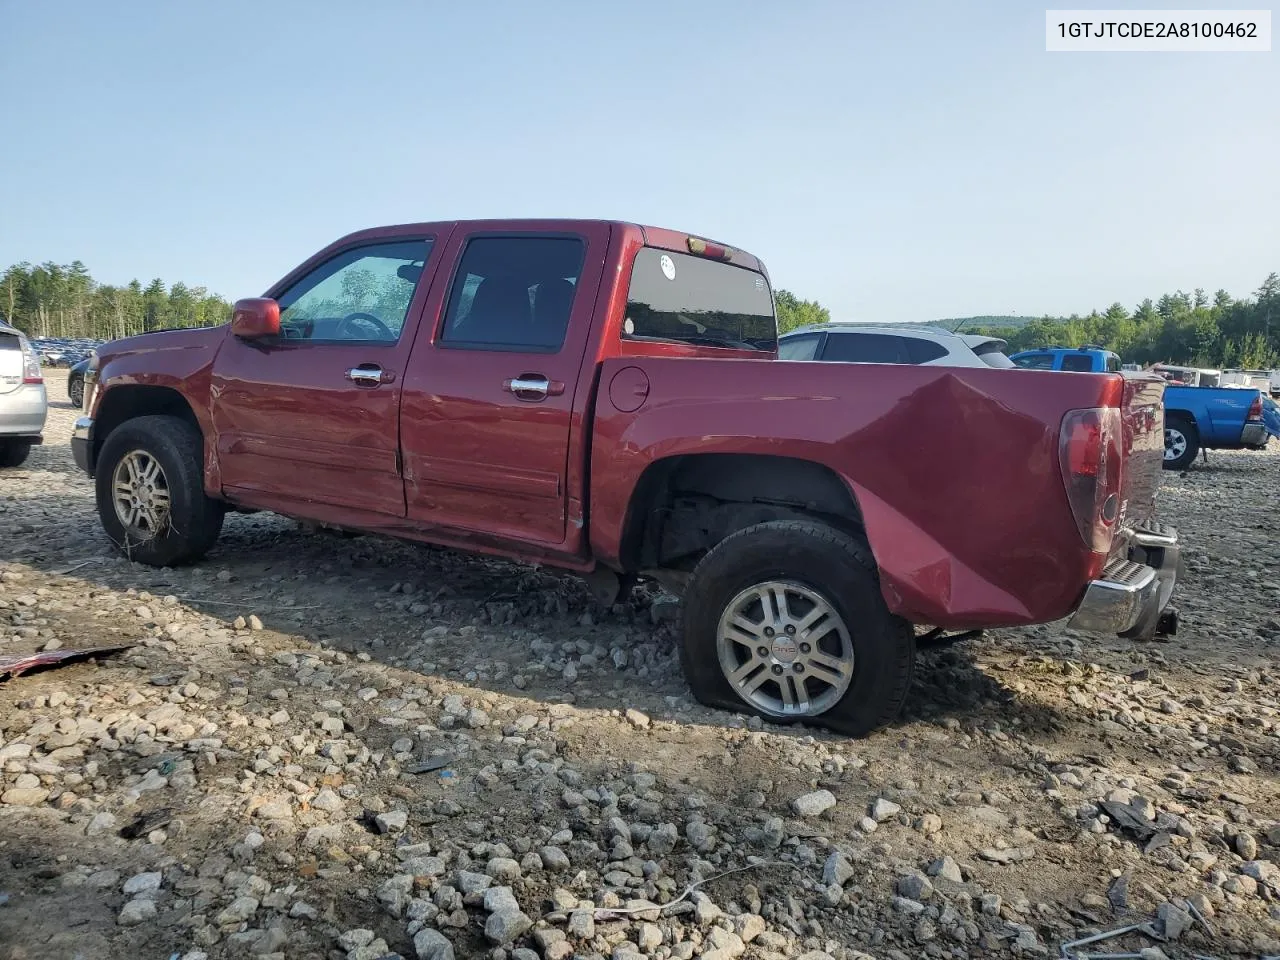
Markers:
point(23, 411)
point(1254, 434)
point(1134, 590)
point(82, 444)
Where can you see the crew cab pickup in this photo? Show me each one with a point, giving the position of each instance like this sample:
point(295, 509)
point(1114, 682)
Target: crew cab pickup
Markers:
point(606, 398)
point(1195, 417)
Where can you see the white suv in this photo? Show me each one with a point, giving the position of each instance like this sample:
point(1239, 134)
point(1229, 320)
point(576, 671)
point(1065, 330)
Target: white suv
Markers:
point(23, 404)
point(915, 344)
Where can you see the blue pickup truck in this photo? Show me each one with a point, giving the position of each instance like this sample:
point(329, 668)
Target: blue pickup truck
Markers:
point(1195, 418)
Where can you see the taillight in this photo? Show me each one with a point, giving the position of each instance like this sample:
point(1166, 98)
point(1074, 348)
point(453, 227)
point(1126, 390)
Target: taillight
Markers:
point(30, 365)
point(1255, 411)
point(1089, 452)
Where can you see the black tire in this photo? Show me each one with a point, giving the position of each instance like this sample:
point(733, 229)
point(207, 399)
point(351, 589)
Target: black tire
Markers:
point(75, 391)
point(1180, 430)
point(14, 453)
point(839, 569)
point(194, 520)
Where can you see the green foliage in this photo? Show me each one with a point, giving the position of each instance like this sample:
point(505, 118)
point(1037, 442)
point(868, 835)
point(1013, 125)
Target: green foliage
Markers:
point(1183, 328)
point(52, 300)
point(794, 312)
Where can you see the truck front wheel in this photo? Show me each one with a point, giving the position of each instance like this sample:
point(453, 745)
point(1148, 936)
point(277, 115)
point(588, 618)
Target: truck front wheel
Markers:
point(785, 620)
point(150, 492)
point(1181, 443)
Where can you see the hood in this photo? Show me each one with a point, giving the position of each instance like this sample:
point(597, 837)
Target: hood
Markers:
point(187, 338)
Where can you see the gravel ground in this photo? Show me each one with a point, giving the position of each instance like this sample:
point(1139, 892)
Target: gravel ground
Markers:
point(356, 749)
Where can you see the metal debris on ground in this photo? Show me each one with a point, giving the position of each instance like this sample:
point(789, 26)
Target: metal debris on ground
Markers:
point(1067, 948)
point(611, 913)
point(146, 823)
point(1191, 909)
point(427, 766)
point(18, 664)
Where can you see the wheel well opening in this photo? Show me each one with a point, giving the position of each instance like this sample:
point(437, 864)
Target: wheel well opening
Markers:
point(683, 506)
point(125, 403)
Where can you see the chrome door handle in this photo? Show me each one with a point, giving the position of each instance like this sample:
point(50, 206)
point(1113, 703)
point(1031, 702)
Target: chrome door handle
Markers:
point(369, 375)
point(531, 387)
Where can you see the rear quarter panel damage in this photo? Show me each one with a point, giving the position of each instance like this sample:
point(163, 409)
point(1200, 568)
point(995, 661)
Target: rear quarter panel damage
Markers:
point(955, 470)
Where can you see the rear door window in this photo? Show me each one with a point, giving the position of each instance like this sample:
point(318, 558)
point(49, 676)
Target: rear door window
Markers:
point(514, 294)
point(799, 348)
point(687, 299)
point(866, 348)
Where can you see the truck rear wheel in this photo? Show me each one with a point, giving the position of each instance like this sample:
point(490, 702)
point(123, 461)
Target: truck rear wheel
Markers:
point(1181, 443)
point(150, 492)
point(785, 620)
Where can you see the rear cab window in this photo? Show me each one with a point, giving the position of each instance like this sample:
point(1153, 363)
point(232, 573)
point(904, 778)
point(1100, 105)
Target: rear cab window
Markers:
point(682, 298)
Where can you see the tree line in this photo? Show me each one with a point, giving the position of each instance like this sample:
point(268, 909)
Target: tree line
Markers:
point(55, 300)
point(63, 300)
point(1189, 329)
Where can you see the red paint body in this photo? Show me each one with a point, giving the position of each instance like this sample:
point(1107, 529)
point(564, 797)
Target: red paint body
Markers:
point(956, 471)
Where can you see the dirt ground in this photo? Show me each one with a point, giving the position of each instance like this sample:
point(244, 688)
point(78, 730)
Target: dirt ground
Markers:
point(262, 747)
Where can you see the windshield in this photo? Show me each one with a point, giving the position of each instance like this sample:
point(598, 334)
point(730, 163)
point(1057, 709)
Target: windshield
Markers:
point(688, 299)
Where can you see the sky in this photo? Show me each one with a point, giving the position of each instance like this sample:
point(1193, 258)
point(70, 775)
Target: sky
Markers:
point(897, 162)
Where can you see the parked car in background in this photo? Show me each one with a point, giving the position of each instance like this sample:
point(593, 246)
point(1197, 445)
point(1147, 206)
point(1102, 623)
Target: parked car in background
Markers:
point(75, 383)
point(1211, 418)
point(23, 402)
point(63, 351)
point(606, 398)
point(1078, 360)
point(1268, 381)
point(908, 344)
point(1196, 416)
point(1187, 376)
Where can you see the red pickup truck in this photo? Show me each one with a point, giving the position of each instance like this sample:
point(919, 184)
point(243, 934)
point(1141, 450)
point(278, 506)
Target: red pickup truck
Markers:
point(606, 398)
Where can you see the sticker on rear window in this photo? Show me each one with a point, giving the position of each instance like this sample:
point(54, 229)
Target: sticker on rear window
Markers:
point(668, 267)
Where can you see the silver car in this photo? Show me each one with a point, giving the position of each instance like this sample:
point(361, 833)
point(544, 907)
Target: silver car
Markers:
point(23, 403)
point(918, 343)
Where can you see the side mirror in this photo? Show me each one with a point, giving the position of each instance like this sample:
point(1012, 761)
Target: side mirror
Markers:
point(255, 318)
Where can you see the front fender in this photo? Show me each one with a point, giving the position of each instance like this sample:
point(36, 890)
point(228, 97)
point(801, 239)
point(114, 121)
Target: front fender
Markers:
point(178, 362)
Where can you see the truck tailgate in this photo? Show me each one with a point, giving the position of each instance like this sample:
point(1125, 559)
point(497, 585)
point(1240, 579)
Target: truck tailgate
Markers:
point(1143, 424)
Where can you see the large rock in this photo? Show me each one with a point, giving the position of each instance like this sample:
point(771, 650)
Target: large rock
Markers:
point(837, 870)
point(430, 944)
point(813, 804)
point(136, 911)
point(24, 796)
point(882, 810)
point(506, 924)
